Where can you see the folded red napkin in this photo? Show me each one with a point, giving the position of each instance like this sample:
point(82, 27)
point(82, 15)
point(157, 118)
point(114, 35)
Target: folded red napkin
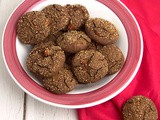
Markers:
point(147, 80)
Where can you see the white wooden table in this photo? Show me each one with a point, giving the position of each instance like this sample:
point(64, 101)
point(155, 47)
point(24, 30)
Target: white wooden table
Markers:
point(14, 103)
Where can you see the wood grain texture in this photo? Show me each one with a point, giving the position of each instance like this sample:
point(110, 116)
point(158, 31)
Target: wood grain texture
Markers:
point(11, 96)
point(12, 105)
point(36, 110)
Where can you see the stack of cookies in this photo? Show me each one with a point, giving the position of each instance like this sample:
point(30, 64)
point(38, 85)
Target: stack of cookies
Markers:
point(69, 47)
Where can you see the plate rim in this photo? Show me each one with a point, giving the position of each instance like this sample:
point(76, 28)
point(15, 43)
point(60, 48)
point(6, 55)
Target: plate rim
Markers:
point(87, 104)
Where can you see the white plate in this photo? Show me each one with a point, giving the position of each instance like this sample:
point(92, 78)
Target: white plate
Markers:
point(130, 42)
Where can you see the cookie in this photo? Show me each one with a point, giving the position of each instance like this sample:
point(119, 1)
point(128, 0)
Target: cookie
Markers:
point(45, 59)
point(60, 83)
point(139, 108)
point(114, 57)
point(101, 31)
point(58, 15)
point(73, 41)
point(89, 66)
point(33, 27)
point(78, 16)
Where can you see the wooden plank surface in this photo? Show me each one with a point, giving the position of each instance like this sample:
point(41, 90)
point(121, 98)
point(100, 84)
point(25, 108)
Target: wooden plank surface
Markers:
point(13, 106)
point(36, 110)
point(11, 96)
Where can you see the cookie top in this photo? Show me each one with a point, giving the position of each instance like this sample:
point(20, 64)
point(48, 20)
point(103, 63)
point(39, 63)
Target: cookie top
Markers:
point(33, 27)
point(101, 31)
point(89, 66)
point(78, 16)
point(60, 83)
point(73, 41)
point(139, 108)
point(58, 15)
point(114, 57)
point(45, 59)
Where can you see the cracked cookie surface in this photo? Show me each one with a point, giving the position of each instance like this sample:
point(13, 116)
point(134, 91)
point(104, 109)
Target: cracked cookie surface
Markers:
point(58, 15)
point(33, 27)
point(45, 59)
point(89, 66)
point(73, 41)
point(101, 31)
point(60, 83)
point(78, 16)
point(139, 108)
point(114, 57)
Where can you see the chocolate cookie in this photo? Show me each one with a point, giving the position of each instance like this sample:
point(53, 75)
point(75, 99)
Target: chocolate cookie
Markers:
point(73, 41)
point(45, 59)
point(33, 27)
point(60, 83)
point(58, 15)
point(139, 108)
point(89, 66)
point(114, 57)
point(78, 16)
point(101, 31)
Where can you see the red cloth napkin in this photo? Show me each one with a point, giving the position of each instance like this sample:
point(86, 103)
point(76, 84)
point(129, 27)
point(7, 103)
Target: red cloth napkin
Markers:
point(147, 80)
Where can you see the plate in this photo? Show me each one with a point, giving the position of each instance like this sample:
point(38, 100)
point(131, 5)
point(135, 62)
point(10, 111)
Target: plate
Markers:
point(130, 42)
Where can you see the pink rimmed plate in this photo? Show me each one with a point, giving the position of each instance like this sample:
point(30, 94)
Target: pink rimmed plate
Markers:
point(130, 42)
